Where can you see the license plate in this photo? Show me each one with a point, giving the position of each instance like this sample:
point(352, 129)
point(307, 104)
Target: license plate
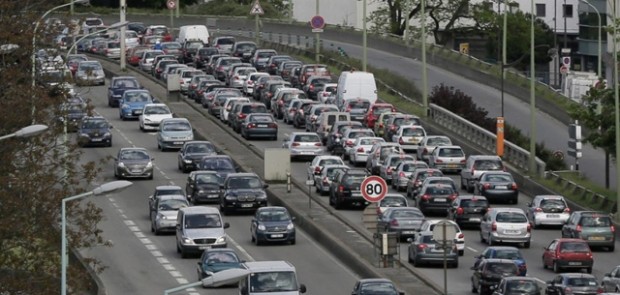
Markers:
point(413, 140)
point(246, 205)
point(474, 219)
point(452, 165)
point(596, 238)
point(408, 232)
point(96, 139)
point(277, 236)
point(135, 170)
point(137, 112)
point(501, 187)
point(203, 247)
point(177, 142)
point(262, 125)
point(574, 263)
point(246, 54)
point(512, 231)
point(306, 153)
point(440, 199)
point(212, 196)
point(553, 215)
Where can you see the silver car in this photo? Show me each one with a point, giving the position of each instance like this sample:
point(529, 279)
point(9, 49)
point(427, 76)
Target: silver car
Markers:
point(133, 163)
point(389, 165)
point(447, 158)
point(548, 210)
point(505, 225)
point(199, 228)
point(146, 61)
point(89, 72)
point(358, 153)
point(164, 215)
point(303, 145)
point(238, 77)
point(173, 133)
point(404, 171)
point(405, 221)
point(323, 181)
point(429, 143)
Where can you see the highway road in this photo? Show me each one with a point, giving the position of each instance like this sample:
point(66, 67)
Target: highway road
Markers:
point(134, 206)
point(142, 263)
point(551, 132)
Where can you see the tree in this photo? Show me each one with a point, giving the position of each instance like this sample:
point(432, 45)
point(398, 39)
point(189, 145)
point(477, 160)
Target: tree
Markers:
point(32, 172)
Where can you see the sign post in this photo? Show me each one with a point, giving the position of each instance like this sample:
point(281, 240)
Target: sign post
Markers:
point(373, 188)
point(499, 147)
point(171, 4)
point(444, 233)
point(256, 11)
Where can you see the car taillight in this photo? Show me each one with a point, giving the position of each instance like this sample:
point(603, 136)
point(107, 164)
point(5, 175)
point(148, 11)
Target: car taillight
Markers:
point(318, 144)
point(106, 51)
point(341, 188)
point(381, 125)
point(251, 125)
point(392, 127)
point(220, 68)
point(452, 197)
point(250, 82)
point(389, 171)
point(269, 94)
point(242, 115)
point(460, 211)
point(461, 236)
point(401, 174)
point(421, 247)
point(158, 70)
point(418, 182)
point(600, 290)
point(295, 144)
point(514, 186)
point(273, 125)
point(438, 161)
point(349, 142)
point(567, 210)
point(317, 169)
point(487, 186)
point(394, 222)
point(193, 86)
point(273, 65)
point(568, 291)
point(325, 180)
point(538, 210)
point(462, 161)
point(529, 227)
point(613, 229)
point(401, 141)
point(578, 228)
point(360, 150)
point(311, 88)
point(494, 226)
point(280, 102)
point(425, 197)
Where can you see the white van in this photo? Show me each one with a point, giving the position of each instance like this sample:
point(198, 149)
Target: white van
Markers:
point(270, 277)
point(193, 32)
point(326, 120)
point(356, 84)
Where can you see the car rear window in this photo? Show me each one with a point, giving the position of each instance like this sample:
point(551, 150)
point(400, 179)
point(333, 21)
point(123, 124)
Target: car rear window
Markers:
point(552, 203)
point(254, 109)
point(472, 203)
point(488, 165)
point(497, 178)
point(511, 254)
point(521, 287)
point(582, 282)
point(438, 141)
point(511, 217)
point(261, 119)
point(393, 202)
point(568, 247)
point(595, 221)
point(451, 152)
point(307, 138)
point(502, 268)
point(225, 41)
point(413, 132)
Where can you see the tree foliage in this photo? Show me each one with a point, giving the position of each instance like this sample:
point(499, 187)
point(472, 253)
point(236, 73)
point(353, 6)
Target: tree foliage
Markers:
point(32, 171)
point(597, 114)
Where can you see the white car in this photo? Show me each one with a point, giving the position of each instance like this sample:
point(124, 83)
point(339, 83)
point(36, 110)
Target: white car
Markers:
point(315, 168)
point(238, 77)
point(447, 158)
point(227, 106)
point(409, 137)
point(328, 94)
point(429, 143)
point(547, 210)
point(152, 114)
point(358, 153)
point(303, 145)
point(429, 225)
point(248, 84)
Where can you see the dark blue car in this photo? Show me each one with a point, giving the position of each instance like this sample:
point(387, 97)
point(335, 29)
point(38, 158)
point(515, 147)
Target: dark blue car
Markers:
point(504, 252)
point(118, 85)
point(94, 131)
point(132, 102)
point(272, 224)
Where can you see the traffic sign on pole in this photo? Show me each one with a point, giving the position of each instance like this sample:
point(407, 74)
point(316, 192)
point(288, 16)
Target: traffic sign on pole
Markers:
point(257, 9)
point(317, 22)
point(171, 4)
point(373, 188)
point(564, 69)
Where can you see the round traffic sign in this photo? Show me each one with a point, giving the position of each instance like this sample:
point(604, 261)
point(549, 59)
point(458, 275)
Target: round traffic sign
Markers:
point(171, 4)
point(373, 188)
point(563, 69)
point(317, 22)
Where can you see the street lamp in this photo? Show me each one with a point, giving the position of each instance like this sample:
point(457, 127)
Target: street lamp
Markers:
point(27, 131)
point(34, 39)
point(103, 189)
point(617, 105)
point(220, 278)
point(364, 38)
point(532, 158)
point(600, 52)
point(424, 77)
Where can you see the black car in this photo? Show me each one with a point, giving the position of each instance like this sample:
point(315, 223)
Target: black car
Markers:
point(242, 192)
point(468, 210)
point(243, 50)
point(489, 273)
point(345, 188)
point(73, 113)
point(518, 285)
point(118, 85)
point(243, 110)
point(203, 187)
point(94, 131)
point(375, 286)
point(192, 152)
point(582, 284)
point(190, 48)
point(222, 164)
point(202, 56)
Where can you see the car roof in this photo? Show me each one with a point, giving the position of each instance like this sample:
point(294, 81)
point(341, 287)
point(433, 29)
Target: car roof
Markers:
point(469, 197)
point(500, 260)
point(167, 187)
point(503, 248)
point(577, 275)
point(242, 174)
point(272, 208)
point(200, 209)
point(506, 209)
point(375, 280)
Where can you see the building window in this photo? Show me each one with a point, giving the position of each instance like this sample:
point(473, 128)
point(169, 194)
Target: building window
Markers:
point(568, 10)
point(540, 10)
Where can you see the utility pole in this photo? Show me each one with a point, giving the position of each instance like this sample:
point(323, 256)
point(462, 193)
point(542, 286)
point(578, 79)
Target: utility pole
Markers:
point(122, 35)
point(317, 45)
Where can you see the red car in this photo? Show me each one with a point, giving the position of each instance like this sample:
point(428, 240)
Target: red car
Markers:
point(374, 111)
point(567, 253)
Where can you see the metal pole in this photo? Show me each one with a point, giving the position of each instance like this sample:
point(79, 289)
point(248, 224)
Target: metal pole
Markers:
point(180, 288)
point(317, 45)
point(364, 40)
point(63, 248)
point(177, 7)
point(171, 21)
point(532, 158)
point(504, 41)
point(424, 77)
point(122, 36)
point(600, 52)
point(555, 42)
point(565, 34)
point(256, 29)
point(617, 103)
point(445, 259)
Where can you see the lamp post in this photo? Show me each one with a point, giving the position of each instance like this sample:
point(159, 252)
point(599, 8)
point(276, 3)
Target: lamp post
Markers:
point(424, 77)
point(532, 158)
point(317, 46)
point(103, 189)
point(123, 5)
point(600, 52)
point(364, 38)
point(220, 278)
point(617, 105)
point(27, 131)
point(34, 39)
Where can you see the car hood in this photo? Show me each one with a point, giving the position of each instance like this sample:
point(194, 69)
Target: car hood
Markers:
point(135, 105)
point(197, 233)
point(177, 133)
point(215, 267)
point(121, 90)
point(279, 224)
point(135, 162)
point(208, 186)
point(95, 131)
point(157, 117)
point(170, 214)
point(198, 156)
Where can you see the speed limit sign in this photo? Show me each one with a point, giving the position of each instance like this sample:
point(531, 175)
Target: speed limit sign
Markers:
point(374, 188)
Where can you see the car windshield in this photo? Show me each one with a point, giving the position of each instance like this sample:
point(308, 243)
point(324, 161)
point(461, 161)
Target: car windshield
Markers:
point(407, 214)
point(207, 178)
point(511, 217)
point(379, 288)
point(202, 221)
point(273, 215)
point(573, 247)
point(521, 286)
point(595, 221)
point(221, 257)
point(488, 165)
point(261, 119)
point(94, 124)
point(171, 46)
point(552, 203)
point(176, 191)
point(217, 164)
point(413, 132)
point(512, 254)
point(157, 110)
point(307, 138)
point(125, 83)
point(177, 126)
point(245, 71)
point(354, 180)
point(244, 183)
point(172, 204)
point(245, 47)
point(283, 281)
point(394, 161)
point(582, 282)
point(134, 155)
point(329, 162)
point(199, 148)
point(451, 152)
point(130, 96)
point(90, 67)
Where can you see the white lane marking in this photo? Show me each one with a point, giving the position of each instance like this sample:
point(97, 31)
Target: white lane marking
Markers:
point(151, 247)
point(134, 228)
point(121, 211)
point(139, 234)
point(241, 249)
point(129, 222)
point(163, 260)
point(157, 254)
point(472, 249)
point(182, 281)
point(169, 267)
point(176, 273)
point(146, 241)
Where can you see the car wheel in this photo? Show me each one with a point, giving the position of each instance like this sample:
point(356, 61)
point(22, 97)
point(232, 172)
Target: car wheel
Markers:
point(611, 248)
point(589, 270)
point(292, 242)
point(337, 204)
point(223, 210)
point(461, 253)
point(151, 176)
point(184, 254)
point(556, 267)
point(178, 248)
point(416, 262)
point(473, 288)
point(455, 265)
point(481, 238)
point(462, 184)
point(526, 245)
point(258, 241)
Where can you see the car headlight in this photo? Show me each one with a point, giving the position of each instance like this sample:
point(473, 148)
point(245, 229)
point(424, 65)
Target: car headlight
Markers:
point(165, 138)
point(187, 241)
point(161, 216)
point(201, 191)
point(221, 240)
point(146, 119)
point(261, 197)
point(231, 197)
point(290, 226)
point(84, 135)
point(261, 227)
point(107, 134)
point(188, 161)
point(149, 165)
point(125, 106)
point(121, 165)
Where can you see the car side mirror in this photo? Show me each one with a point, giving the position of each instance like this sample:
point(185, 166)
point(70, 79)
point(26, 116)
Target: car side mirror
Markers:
point(178, 226)
point(607, 275)
point(265, 185)
point(226, 225)
point(293, 218)
point(153, 159)
point(200, 263)
point(111, 127)
point(528, 204)
point(549, 283)
point(478, 256)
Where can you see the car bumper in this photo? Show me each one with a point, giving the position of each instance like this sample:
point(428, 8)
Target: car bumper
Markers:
point(275, 236)
point(131, 114)
point(150, 125)
point(92, 141)
point(404, 232)
point(600, 241)
point(206, 198)
point(502, 238)
point(500, 196)
point(137, 173)
point(437, 258)
point(306, 152)
point(468, 220)
point(262, 133)
point(449, 167)
point(401, 182)
point(236, 84)
point(176, 144)
point(166, 225)
point(193, 248)
point(361, 157)
point(244, 206)
point(550, 218)
point(434, 207)
point(574, 264)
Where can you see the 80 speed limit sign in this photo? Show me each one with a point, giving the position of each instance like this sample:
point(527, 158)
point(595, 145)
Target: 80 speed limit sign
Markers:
point(374, 188)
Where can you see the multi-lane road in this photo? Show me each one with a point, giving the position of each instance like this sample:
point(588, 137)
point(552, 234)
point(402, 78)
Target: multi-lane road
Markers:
point(148, 263)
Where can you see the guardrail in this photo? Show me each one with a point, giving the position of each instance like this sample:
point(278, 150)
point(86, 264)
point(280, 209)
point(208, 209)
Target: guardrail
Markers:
point(514, 154)
point(576, 189)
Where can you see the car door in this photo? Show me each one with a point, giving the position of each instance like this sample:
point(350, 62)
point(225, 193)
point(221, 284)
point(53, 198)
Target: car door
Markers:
point(181, 154)
point(152, 199)
point(567, 229)
point(486, 254)
point(612, 281)
point(485, 225)
point(189, 185)
point(477, 274)
point(254, 224)
point(554, 286)
point(549, 253)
